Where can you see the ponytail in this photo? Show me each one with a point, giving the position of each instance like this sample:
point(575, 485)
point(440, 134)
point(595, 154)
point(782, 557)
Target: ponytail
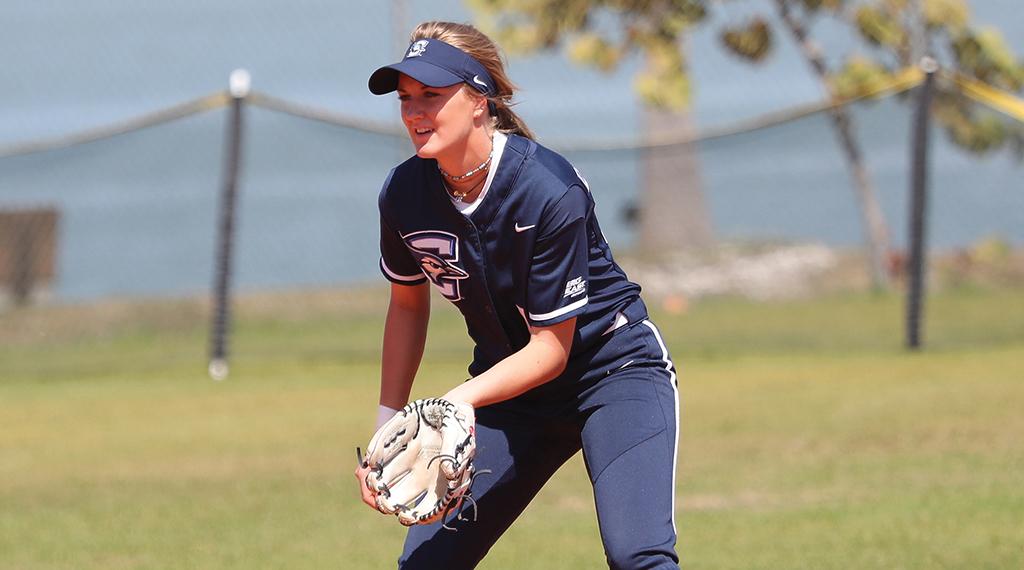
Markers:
point(507, 121)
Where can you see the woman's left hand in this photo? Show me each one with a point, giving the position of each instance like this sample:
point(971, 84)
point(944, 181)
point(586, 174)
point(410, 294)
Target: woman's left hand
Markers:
point(461, 393)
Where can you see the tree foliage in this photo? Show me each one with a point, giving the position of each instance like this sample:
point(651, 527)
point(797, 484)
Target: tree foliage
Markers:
point(752, 40)
point(889, 29)
point(602, 33)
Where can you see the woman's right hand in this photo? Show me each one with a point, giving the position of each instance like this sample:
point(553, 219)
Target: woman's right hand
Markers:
point(384, 413)
point(367, 495)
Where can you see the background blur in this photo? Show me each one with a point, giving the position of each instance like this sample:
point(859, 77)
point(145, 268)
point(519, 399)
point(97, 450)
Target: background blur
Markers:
point(137, 211)
point(810, 439)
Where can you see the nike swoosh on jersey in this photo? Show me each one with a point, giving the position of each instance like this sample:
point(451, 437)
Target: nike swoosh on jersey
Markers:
point(524, 228)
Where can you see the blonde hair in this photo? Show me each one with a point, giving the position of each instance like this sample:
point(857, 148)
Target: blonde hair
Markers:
point(480, 47)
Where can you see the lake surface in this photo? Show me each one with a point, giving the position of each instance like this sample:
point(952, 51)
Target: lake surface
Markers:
point(138, 211)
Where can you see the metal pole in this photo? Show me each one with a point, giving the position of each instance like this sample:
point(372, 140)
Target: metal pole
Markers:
point(239, 83)
point(918, 207)
point(918, 31)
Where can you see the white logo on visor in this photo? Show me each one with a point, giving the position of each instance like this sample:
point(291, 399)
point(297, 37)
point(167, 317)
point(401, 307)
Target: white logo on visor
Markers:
point(417, 49)
point(476, 79)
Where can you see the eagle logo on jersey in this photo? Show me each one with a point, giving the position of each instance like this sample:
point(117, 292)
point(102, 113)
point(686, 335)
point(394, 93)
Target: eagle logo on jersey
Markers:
point(437, 269)
point(437, 253)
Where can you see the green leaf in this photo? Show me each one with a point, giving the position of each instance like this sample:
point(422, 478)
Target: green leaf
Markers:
point(592, 49)
point(986, 56)
point(815, 5)
point(859, 76)
point(752, 41)
point(978, 132)
point(952, 15)
point(879, 27)
point(664, 90)
point(519, 38)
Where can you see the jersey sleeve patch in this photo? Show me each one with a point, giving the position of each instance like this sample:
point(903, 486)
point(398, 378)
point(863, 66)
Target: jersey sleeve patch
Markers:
point(559, 275)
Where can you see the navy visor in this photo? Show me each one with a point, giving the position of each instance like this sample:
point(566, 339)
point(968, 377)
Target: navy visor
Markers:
point(435, 64)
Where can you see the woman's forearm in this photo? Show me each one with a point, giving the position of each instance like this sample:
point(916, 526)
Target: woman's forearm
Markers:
point(405, 333)
point(541, 360)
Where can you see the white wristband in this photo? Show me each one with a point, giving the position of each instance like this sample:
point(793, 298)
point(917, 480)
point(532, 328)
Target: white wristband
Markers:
point(384, 414)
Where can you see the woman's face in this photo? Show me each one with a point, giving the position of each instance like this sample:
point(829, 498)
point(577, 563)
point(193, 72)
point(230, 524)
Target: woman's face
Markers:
point(439, 119)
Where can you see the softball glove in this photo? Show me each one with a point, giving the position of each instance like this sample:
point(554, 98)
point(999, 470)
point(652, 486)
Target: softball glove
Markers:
point(421, 460)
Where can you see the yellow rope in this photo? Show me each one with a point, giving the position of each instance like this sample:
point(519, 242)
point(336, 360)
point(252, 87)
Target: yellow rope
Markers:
point(268, 102)
point(991, 97)
point(906, 79)
point(173, 113)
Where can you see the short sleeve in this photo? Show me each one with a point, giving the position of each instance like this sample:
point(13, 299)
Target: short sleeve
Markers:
point(396, 263)
point(558, 281)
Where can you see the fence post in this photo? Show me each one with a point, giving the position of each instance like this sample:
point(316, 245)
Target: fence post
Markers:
point(28, 251)
point(918, 206)
point(22, 261)
point(239, 84)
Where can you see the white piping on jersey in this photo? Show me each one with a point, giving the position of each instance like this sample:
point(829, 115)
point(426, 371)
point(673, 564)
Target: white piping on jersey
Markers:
point(587, 186)
point(522, 312)
point(675, 390)
point(620, 321)
point(558, 312)
point(582, 179)
point(397, 277)
point(619, 368)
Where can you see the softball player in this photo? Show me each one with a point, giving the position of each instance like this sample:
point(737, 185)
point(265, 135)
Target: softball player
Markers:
point(565, 357)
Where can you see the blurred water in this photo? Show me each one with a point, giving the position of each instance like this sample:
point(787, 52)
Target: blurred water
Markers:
point(138, 211)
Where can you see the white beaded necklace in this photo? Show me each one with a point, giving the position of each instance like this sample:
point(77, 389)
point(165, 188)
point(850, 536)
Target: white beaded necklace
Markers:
point(461, 177)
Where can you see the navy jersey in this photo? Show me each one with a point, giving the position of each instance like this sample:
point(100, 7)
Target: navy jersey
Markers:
point(531, 252)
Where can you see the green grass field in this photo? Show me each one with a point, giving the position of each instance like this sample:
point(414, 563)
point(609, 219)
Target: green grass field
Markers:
point(809, 438)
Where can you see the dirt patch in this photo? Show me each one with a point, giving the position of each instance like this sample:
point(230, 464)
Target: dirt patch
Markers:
point(787, 271)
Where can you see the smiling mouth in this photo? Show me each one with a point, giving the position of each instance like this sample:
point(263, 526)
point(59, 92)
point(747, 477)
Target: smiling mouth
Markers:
point(423, 131)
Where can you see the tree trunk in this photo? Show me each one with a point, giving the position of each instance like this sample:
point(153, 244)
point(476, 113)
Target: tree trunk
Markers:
point(673, 215)
point(876, 233)
point(872, 218)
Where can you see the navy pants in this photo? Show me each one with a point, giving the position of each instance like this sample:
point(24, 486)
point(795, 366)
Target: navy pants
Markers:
point(618, 404)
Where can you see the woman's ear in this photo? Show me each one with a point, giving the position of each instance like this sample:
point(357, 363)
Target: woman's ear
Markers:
point(480, 108)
